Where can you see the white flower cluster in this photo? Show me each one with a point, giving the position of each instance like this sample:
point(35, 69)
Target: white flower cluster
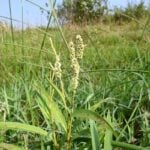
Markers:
point(72, 50)
point(79, 47)
point(57, 66)
point(76, 53)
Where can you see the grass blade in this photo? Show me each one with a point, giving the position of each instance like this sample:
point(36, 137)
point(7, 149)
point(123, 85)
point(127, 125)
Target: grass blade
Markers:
point(87, 114)
point(128, 146)
point(108, 135)
point(47, 27)
point(10, 146)
point(58, 116)
point(59, 93)
point(12, 30)
point(22, 127)
point(50, 108)
point(94, 136)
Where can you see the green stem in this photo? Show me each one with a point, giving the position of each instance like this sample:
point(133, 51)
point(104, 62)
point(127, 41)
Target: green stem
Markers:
point(127, 146)
point(132, 114)
point(63, 92)
point(54, 135)
point(68, 146)
point(11, 23)
point(70, 123)
point(57, 22)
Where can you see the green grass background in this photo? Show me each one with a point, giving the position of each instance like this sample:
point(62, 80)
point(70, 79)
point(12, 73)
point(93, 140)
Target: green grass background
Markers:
point(114, 82)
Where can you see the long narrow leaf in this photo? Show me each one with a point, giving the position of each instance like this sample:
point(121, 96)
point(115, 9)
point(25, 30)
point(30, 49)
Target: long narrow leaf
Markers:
point(50, 108)
point(58, 116)
point(22, 127)
point(128, 146)
point(59, 92)
point(108, 135)
point(10, 146)
point(87, 114)
point(94, 136)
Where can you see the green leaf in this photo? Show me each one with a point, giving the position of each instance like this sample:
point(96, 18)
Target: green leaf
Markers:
point(94, 136)
point(90, 96)
point(22, 127)
point(87, 114)
point(108, 135)
point(50, 108)
point(10, 146)
point(58, 116)
point(83, 134)
point(100, 102)
point(59, 92)
point(128, 146)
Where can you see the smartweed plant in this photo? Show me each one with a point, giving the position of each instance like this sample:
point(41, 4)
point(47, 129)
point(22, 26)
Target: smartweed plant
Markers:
point(60, 117)
point(59, 106)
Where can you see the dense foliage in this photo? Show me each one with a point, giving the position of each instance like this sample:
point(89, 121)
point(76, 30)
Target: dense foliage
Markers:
point(88, 11)
point(80, 11)
point(132, 11)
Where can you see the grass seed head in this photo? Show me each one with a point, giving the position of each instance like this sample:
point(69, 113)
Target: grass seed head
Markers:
point(76, 69)
point(57, 66)
point(72, 50)
point(75, 66)
point(79, 47)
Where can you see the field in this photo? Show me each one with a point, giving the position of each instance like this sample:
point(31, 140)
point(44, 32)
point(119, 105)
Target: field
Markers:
point(51, 100)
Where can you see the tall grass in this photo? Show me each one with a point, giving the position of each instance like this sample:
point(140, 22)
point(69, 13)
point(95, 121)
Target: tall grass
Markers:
point(55, 100)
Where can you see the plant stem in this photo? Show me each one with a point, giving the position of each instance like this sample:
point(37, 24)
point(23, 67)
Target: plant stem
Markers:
point(54, 137)
point(12, 30)
point(127, 146)
point(70, 123)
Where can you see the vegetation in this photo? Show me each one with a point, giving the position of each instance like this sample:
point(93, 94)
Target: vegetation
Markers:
point(91, 11)
point(81, 11)
point(131, 12)
point(76, 87)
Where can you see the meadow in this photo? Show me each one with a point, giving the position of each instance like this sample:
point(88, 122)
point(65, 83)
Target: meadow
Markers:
point(53, 96)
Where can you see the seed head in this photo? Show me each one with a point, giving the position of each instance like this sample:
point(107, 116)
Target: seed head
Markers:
point(75, 66)
point(75, 69)
point(79, 47)
point(72, 50)
point(57, 66)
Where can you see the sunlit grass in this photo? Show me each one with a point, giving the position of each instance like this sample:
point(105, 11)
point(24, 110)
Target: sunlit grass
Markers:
point(109, 106)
